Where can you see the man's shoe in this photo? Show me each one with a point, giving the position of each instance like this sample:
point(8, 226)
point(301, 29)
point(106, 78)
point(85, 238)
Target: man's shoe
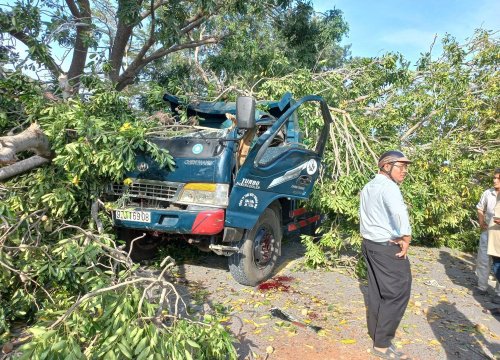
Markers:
point(496, 299)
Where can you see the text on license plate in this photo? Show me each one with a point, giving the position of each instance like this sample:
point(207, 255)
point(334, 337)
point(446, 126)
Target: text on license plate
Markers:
point(131, 215)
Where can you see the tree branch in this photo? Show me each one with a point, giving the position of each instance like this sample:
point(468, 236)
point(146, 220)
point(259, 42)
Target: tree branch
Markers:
point(416, 126)
point(151, 40)
point(73, 8)
point(83, 28)
point(154, 6)
point(129, 74)
point(122, 37)
point(24, 277)
point(22, 166)
point(197, 20)
point(40, 57)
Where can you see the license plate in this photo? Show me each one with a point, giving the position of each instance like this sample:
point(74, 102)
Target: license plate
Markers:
point(131, 215)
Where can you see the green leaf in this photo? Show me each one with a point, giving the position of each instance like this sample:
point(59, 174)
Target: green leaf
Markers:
point(193, 344)
point(125, 350)
point(141, 345)
point(144, 353)
point(188, 354)
point(58, 345)
point(110, 355)
point(37, 330)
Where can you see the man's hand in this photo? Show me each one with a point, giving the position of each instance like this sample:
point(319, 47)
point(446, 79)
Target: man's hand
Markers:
point(482, 223)
point(404, 243)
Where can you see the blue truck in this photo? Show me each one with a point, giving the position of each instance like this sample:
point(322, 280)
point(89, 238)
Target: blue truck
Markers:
point(237, 181)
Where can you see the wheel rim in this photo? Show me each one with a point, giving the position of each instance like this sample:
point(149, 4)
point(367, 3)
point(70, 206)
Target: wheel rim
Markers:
point(263, 247)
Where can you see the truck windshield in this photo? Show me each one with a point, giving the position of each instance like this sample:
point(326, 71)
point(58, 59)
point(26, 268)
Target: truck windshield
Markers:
point(189, 132)
point(191, 143)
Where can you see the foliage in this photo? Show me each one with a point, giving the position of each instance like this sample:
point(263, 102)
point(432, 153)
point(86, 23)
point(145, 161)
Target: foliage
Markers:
point(118, 38)
point(125, 321)
point(93, 141)
point(268, 43)
point(77, 292)
point(443, 115)
point(312, 41)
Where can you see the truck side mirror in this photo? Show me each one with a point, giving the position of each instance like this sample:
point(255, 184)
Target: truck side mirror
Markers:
point(245, 112)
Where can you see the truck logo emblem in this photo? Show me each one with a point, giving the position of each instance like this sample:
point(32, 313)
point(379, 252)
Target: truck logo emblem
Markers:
point(197, 149)
point(249, 183)
point(142, 166)
point(249, 200)
point(199, 162)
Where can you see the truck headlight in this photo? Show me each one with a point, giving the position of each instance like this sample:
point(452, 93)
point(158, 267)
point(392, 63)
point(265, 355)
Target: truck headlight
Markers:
point(204, 194)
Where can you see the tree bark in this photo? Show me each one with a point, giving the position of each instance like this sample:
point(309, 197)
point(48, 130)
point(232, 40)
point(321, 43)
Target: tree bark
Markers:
point(83, 19)
point(123, 32)
point(32, 139)
point(22, 166)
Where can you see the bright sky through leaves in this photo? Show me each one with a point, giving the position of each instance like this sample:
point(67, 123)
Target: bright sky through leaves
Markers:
point(409, 27)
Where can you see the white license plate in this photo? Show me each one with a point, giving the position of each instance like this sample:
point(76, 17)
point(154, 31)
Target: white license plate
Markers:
point(131, 215)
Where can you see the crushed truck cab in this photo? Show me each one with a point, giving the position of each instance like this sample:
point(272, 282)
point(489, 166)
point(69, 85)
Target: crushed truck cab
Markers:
point(237, 179)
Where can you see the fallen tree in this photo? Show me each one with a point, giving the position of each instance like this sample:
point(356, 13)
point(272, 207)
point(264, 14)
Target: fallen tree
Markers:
point(59, 275)
point(32, 139)
point(443, 115)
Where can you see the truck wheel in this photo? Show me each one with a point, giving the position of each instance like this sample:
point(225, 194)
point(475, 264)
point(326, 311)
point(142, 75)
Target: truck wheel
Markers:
point(145, 248)
point(259, 249)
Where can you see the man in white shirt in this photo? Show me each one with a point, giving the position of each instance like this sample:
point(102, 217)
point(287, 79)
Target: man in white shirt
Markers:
point(485, 208)
point(386, 231)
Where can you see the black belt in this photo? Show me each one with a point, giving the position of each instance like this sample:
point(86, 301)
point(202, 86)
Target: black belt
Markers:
point(382, 243)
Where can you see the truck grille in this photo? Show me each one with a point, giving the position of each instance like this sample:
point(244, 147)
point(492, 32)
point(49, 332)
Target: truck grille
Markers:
point(145, 189)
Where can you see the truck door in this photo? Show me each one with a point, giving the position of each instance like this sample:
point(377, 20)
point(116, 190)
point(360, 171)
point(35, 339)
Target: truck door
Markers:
point(271, 172)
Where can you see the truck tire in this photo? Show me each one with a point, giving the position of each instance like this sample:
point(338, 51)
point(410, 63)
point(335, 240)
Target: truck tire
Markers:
point(145, 248)
point(259, 250)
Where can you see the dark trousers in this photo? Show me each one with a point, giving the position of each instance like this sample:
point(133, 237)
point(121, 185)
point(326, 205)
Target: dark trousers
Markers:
point(389, 286)
point(496, 267)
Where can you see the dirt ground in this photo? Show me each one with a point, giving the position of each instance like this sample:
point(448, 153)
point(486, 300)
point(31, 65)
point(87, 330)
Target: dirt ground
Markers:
point(444, 320)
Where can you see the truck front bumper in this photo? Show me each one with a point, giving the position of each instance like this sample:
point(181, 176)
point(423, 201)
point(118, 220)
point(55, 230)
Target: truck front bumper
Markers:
point(199, 222)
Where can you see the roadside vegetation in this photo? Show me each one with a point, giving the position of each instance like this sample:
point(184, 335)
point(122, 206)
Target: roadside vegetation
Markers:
point(69, 290)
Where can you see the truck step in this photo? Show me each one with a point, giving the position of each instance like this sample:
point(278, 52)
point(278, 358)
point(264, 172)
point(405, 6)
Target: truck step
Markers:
point(223, 249)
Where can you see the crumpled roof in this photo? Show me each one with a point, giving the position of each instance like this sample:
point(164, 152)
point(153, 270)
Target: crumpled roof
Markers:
point(205, 108)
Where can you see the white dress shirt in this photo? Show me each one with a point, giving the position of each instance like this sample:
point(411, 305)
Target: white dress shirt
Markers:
point(383, 215)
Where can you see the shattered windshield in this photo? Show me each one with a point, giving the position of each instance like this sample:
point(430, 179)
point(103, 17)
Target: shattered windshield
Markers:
point(189, 132)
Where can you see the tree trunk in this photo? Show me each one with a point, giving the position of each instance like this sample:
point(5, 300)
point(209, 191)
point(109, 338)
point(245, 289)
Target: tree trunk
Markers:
point(32, 139)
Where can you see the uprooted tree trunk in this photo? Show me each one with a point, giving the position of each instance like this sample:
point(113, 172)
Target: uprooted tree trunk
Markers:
point(32, 139)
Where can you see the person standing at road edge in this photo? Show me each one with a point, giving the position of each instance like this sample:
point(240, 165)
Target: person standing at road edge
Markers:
point(386, 231)
point(493, 226)
point(485, 208)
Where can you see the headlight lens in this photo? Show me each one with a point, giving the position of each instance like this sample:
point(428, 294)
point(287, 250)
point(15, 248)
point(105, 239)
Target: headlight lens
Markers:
point(204, 194)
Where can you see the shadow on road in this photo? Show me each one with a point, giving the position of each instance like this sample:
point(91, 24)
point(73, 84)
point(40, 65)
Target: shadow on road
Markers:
point(461, 272)
point(460, 337)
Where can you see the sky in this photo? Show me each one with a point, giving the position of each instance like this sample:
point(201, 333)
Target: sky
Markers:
point(409, 26)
